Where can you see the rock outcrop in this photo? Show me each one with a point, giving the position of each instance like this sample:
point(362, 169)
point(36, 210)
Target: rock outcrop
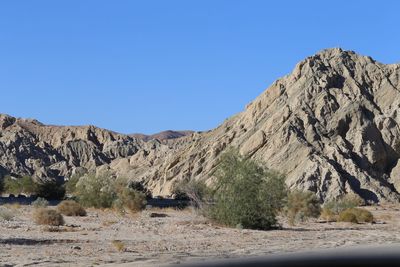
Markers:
point(332, 126)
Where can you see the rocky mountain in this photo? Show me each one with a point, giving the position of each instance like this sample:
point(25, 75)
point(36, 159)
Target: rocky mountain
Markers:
point(332, 126)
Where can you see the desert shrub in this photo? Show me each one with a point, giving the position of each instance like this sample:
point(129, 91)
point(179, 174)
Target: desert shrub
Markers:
point(360, 215)
point(246, 193)
point(50, 190)
point(40, 203)
point(119, 245)
point(47, 216)
point(71, 208)
point(332, 209)
point(131, 199)
point(347, 216)
point(328, 215)
point(301, 205)
point(6, 214)
point(96, 191)
point(195, 191)
point(70, 184)
point(18, 186)
point(346, 202)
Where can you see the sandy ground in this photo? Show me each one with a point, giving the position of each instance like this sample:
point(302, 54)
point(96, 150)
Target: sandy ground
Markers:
point(174, 237)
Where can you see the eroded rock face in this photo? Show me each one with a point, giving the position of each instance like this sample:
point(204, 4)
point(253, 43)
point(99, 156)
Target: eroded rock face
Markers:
point(332, 126)
point(28, 147)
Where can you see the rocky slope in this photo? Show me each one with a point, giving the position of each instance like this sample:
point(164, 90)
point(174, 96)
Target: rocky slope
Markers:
point(332, 126)
point(28, 147)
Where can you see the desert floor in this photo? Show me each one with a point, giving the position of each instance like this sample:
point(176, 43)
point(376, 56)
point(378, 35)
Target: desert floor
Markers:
point(171, 236)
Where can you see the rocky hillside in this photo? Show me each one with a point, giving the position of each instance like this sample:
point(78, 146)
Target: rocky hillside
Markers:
point(332, 126)
point(27, 147)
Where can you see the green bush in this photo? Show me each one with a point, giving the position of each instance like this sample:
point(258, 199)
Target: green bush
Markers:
point(40, 203)
point(71, 208)
point(25, 185)
point(70, 184)
point(18, 186)
point(246, 193)
point(96, 191)
point(301, 205)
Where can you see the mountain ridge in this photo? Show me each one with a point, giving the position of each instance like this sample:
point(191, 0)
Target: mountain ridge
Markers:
point(332, 126)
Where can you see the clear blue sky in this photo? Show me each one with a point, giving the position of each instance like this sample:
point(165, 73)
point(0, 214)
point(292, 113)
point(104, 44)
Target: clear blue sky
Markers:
point(146, 66)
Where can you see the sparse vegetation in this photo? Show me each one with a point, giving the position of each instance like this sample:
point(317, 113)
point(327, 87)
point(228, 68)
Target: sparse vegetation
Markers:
point(246, 193)
point(195, 191)
point(332, 209)
point(40, 203)
point(301, 205)
point(26, 185)
point(131, 199)
point(6, 214)
point(71, 208)
point(46, 216)
point(356, 215)
point(70, 184)
point(119, 245)
point(16, 186)
point(102, 191)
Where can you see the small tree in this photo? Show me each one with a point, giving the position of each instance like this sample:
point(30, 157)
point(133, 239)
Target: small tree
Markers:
point(246, 193)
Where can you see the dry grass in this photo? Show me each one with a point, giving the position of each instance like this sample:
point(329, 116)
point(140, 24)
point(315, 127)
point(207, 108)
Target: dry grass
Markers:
point(6, 214)
point(53, 229)
point(356, 215)
point(119, 245)
point(109, 223)
point(71, 208)
point(46, 216)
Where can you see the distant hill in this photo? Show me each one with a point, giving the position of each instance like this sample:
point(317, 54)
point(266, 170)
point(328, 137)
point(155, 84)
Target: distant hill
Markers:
point(162, 136)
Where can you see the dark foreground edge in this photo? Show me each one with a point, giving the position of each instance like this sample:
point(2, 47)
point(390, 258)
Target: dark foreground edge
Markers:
point(388, 255)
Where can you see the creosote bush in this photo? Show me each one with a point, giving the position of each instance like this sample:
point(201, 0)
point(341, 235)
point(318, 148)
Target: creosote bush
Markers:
point(103, 191)
point(332, 209)
point(356, 215)
point(246, 193)
point(18, 186)
point(301, 205)
point(47, 216)
point(96, 191)
point(71, 208)
point(26, 185)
